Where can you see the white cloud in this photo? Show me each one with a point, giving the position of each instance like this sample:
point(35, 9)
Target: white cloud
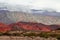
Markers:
point(19, 2)
point(54, 4)
point(36, 4)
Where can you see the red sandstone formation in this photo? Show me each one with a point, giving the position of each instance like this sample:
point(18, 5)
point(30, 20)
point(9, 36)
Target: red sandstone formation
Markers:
point(4, 28)
point(33, 26)
point(27, 26)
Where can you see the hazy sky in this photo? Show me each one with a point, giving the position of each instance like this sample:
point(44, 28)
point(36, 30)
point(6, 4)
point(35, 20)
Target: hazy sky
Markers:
point(36, 4)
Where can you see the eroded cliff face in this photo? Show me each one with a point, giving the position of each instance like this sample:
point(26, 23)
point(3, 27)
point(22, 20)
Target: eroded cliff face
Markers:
point(28, 17)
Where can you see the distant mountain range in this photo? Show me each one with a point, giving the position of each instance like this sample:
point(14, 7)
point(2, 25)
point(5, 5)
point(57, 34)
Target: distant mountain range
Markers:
point(8, 17)
point(46, 12)
point(14, 13)
point(3, 17)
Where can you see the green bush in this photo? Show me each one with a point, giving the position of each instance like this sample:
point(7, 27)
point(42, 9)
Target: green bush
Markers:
point(58, 36)
point(7, 34)
point(45, 35)
point(29, 34)
point(15, 34)
point(1, 34)
point(53, 35)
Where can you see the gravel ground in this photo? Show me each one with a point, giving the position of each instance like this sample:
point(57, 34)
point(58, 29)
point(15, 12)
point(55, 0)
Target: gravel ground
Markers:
point(24, 38)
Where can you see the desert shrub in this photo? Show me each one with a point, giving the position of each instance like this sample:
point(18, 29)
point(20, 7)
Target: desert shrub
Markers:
point(29, 34)
point(45, 35)
point(58, 36)
point(7, 34)
point(15, 34)
point(53, 35)
point(1, 34)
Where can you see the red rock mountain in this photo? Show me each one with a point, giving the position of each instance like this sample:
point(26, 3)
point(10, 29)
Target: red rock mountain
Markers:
point(4, 27)
point(30, 26)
